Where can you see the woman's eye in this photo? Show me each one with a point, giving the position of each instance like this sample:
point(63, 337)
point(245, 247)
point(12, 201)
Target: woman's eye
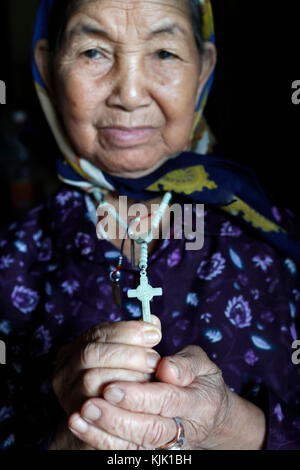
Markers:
point(164, 55)
point(92, 54)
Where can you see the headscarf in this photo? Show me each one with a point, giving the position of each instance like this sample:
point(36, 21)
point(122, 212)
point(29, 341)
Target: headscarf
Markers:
point(195, 173)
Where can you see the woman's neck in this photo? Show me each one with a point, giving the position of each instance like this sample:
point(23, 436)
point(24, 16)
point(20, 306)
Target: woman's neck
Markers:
point(122, 206)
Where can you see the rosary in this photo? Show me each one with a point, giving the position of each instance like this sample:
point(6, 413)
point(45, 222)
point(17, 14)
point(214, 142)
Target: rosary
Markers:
point(144, 292)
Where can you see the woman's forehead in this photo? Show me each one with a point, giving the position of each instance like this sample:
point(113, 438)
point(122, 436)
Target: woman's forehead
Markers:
point(133, 4)
point(130, 9)
point(152, 16)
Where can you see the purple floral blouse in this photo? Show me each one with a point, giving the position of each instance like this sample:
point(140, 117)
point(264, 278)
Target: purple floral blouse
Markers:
point(239, 300)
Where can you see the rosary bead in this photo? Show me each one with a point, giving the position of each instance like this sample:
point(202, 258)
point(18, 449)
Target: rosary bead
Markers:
point(115, 276)
point(144, 291)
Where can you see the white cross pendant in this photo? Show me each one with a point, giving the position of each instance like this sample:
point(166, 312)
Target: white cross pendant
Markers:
point(144, 293)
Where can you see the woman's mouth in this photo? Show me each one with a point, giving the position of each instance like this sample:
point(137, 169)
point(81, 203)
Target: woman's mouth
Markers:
point(123, 136)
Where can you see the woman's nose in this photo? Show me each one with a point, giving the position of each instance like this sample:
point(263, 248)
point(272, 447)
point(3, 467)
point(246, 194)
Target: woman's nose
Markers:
point(129, 85)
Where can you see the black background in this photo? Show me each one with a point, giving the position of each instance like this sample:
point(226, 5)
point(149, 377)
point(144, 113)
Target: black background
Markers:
point(250, 108)
point(253, 115)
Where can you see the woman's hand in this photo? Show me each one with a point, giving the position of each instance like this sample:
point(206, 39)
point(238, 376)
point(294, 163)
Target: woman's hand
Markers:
point(109, 352)
point(191, 387)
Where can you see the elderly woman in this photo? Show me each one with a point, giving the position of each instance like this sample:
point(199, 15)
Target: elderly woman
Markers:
point(123, 85)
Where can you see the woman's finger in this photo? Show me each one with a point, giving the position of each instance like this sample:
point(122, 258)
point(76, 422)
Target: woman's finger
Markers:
point(183, 367)
point(137, 333)
point(143, 430)
point(116, 356)
point(154, 398)
point(191, 380)
point(91, 382)
point(203, 398)
point(132, 359)
point(97, 438)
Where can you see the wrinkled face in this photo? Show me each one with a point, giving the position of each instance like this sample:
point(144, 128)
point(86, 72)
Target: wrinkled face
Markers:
point(127, 80)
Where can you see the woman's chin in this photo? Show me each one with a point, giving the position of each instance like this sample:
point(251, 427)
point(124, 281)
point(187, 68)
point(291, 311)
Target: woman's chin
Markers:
point(129, 172)
point(131, 168)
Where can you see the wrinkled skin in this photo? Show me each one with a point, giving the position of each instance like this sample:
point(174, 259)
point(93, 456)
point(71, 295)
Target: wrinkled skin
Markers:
point(131, 77)
point(188, 384)
point(125, 65)
point(108, 352)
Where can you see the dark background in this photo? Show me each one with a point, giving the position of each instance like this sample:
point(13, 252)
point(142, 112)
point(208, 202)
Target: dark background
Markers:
point(249, 110)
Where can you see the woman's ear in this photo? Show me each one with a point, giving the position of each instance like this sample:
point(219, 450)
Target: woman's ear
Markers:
point(208, 63)
point(42, 60)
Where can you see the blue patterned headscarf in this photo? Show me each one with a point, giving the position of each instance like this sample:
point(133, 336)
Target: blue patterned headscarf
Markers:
point(195, 173)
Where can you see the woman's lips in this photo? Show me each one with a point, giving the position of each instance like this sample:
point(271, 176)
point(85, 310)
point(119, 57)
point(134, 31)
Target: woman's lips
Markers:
point(128, 135)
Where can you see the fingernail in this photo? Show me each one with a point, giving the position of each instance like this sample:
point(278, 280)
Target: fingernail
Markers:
point(151, 336)
point(152, 359)
point(155, 320)
point(174, 367)
point(92, 413)
point(79, 425)
point(114, 395)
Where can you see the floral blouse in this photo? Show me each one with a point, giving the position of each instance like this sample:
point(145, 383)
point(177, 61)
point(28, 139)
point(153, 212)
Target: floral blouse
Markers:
point(239, 300)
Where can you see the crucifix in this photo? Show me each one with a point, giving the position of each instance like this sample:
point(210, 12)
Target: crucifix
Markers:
point(144, 293)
